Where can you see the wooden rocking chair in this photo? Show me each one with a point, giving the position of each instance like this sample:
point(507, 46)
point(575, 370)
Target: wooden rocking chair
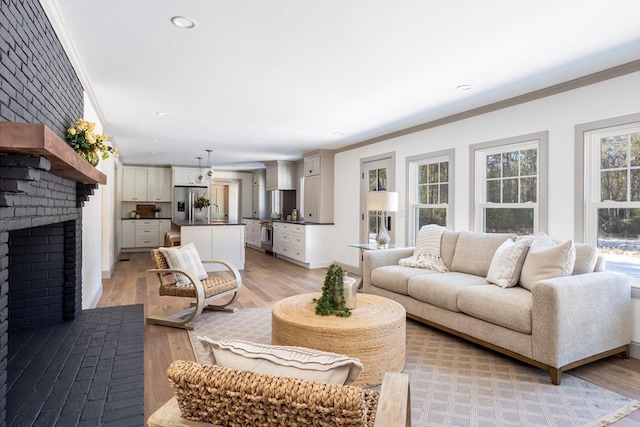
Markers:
point(203, 291)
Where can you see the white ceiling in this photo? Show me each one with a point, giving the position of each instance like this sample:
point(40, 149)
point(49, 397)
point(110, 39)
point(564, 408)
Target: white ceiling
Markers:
point(264, 80)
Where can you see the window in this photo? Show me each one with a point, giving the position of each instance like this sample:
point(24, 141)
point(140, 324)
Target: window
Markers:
point(430, 183)
point(612, 195)
point(509, 180)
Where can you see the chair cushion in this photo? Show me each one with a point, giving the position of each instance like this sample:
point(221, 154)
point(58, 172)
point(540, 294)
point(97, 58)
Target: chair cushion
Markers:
point(185, 258)
point(474, 251)
point(506, 263)
point(223, 396)
point(546, 260)
point(510, 308)
point(283, 361)
point(212, 286)
point(441, 289)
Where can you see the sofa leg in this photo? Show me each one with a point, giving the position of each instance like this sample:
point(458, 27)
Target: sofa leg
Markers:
point(555, 375)
point(626, 354)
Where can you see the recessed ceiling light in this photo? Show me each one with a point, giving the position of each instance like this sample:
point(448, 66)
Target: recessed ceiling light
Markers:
point(338, 133)
point(464, 87)
point(161, 113)
point(183, 22)
point(156, 139)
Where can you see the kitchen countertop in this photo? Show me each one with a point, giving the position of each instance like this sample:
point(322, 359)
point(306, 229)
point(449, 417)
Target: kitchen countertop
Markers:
point(145, 219)
point(202, 224)
point(286, 221)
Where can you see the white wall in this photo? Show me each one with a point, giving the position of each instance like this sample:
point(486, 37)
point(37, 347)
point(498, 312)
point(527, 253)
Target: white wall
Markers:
point(98, 233)
point(556, 114)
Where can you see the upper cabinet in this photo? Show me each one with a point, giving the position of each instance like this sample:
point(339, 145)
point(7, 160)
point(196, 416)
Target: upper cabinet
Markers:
point(188, 176)
point(281, 175)
point(259, 194)
point(140, 184)
point(318, 187)
point(134, 184)
point(159, 185)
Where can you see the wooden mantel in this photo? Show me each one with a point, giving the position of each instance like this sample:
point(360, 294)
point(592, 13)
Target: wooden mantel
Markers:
point(36, 139)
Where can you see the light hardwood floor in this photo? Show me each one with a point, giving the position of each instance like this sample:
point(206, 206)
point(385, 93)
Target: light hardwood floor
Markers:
point(267, 280)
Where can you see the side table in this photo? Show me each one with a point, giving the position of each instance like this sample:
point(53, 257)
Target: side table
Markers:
point(370, 246)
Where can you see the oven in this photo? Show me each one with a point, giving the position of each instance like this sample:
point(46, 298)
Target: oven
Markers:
point(266, 236)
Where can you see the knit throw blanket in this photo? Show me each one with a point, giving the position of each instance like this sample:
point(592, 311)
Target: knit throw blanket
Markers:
point(427, 252)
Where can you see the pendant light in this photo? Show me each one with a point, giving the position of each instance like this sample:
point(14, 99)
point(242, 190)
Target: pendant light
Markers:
point(200, 176)
point(209, 170)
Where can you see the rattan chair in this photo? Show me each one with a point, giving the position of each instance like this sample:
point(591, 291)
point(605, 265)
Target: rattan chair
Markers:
point(204, 292)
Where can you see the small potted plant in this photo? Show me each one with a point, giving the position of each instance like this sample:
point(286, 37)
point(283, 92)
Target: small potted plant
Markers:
point(200, 204)
point(87, 144)
point(332, 300)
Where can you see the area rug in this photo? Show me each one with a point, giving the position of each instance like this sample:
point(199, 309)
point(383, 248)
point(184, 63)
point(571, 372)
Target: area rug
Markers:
point(456, 383)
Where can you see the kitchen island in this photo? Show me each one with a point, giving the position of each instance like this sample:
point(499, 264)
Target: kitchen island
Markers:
point(215, 240)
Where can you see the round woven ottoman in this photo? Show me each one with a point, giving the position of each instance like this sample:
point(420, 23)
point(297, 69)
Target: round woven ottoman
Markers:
point(375, 332)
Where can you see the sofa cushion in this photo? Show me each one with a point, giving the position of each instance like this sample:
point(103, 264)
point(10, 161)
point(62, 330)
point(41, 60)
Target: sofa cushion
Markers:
point(395, 278)
point(441, 289)
point(586, 257)
point(448, 247)
point(510, 308)
point(507, 263)
point(546, 260)
point(474, 251)
point(283, 361)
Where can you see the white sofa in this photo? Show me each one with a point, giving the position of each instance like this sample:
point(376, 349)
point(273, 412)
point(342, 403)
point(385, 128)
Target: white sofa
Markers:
point(559, 324)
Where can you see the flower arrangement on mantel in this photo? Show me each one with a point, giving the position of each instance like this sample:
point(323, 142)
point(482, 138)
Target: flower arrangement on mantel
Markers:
point(332, 300)
point(87, 144)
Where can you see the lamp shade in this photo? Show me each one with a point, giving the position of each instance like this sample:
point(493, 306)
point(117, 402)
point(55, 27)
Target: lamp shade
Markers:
point(386, 201)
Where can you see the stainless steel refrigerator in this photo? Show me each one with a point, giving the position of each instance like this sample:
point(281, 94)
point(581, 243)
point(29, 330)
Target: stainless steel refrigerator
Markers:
point(183, 198)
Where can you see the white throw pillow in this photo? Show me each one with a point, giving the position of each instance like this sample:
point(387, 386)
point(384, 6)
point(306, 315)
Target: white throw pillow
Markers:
point(282, 361)
point(185, 258)
point(427, 251)
point(546, 260)
point(507, 262)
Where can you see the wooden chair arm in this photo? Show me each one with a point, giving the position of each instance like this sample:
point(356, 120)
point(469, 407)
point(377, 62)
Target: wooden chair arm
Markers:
point(232, 268)
point(394, 408)
point(394, 404)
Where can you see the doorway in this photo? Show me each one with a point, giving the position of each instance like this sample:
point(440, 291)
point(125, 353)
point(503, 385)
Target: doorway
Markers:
point(377, 174)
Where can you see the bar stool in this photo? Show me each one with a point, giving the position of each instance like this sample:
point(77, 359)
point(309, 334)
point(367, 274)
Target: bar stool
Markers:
point(171, 238)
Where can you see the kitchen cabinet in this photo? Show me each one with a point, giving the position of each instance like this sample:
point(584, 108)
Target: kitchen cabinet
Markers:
point(318, 187)
point(144, 233)
point(281, 175)
point(188, 176)
point(141, 184)
point(306, 245)
point(128, 233)
point(217, 242)
point(259, 201)
point(159, 185)
point(253, 233)
point(134, 184)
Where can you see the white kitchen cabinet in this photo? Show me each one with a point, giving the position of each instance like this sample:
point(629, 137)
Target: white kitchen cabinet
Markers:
point(159, 185)
point(253, 233)
point(147, 233)
point(306, 245)
point(134, 184)
point(128, 233)
point(312, 166)
point(259, 194)
point(216, 242)
point(281, 175)
point(164, 225)
point(189, 176)
point(318, 187)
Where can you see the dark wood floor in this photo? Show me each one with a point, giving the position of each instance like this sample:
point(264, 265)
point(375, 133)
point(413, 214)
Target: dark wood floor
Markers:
point(267, 280)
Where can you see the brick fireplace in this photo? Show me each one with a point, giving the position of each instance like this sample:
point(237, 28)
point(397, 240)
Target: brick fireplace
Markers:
point(43, 186)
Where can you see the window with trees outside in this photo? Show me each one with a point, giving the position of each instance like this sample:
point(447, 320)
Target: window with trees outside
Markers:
point(508, 180)
point(612, 166)
point(430, 180)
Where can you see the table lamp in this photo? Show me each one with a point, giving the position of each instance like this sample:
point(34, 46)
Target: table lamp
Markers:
point(382, 201)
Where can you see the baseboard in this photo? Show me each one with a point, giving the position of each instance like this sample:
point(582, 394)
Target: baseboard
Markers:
point(634, 349)
point(106, 274)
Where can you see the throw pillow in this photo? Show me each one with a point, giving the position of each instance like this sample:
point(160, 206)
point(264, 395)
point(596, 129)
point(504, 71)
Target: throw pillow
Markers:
point(547, 260)
point(427, 251)
point(507, 262)
point(290, 362)
point(185, 258)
